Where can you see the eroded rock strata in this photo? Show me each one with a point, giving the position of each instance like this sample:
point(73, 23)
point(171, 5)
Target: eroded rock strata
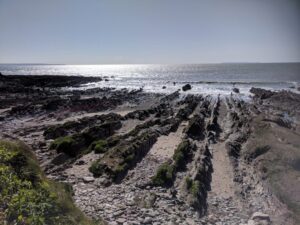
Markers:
point(139, 158)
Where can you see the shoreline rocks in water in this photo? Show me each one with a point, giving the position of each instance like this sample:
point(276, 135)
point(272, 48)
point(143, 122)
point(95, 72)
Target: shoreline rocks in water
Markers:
point(235, 90)
point(186, 87)
point(143, 158)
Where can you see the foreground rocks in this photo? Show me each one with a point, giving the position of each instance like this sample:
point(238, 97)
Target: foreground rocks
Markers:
point(138, 158)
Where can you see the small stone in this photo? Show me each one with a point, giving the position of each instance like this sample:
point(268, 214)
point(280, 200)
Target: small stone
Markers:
point(251, 222)
point(88, 179)
point(80, 162)
point(118, 213)
point(148, 220)
point(121, 220)
point(113, 223)
point(260, 216)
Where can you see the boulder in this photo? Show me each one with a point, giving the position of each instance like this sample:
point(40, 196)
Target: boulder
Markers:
point(261, 93)
point(235, 90)
point(186, 87)
point(195, 128)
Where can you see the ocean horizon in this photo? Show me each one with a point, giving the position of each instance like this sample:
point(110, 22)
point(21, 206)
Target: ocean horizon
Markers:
point(212, 78)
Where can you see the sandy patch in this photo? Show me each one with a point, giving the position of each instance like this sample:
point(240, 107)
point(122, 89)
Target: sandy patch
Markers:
point(166, 145)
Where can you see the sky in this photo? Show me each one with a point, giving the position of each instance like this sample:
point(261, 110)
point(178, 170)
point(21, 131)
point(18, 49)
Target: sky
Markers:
point(149, 31)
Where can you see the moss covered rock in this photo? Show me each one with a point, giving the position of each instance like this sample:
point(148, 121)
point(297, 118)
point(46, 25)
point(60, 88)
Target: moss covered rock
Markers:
point(116, 162)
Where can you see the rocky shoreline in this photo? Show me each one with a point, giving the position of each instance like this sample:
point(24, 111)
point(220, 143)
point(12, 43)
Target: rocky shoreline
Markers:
point(142, 158)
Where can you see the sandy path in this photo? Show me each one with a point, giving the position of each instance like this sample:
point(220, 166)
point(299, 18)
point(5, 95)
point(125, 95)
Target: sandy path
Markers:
point(166, 145)
point(222, 178)
point(129, 125)
point(222, 184)
point(79, 171)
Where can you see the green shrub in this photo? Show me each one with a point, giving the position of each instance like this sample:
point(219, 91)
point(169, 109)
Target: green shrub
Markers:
point(181, 154)
point(164, 175)
point(27, 197)
point(62, 144)
point(96, 168)
point(71, 145)
point(195, 188)
point(99, 146)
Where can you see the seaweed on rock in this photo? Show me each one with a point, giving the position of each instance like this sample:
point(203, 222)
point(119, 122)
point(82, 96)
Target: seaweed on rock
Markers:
point(77, 144)
point(122, 157)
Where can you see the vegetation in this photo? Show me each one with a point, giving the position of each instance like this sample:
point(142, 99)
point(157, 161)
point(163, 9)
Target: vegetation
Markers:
point(121, 157)
point(196, 194)
point(181, 154)
point(63, 144)
point(79, 143)
point(99, 146)
point(56, 131)
point(164, 175)
point(27, 197)
point(96, 168)
point(195, 189)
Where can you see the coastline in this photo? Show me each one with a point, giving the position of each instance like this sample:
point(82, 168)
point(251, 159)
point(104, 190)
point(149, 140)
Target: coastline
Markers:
point(239, 141)
point(212, 79)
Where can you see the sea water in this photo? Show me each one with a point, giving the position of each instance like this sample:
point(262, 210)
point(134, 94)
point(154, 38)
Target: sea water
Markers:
point(211, 79)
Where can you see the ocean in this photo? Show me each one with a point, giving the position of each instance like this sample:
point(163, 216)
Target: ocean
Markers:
point(211, 79)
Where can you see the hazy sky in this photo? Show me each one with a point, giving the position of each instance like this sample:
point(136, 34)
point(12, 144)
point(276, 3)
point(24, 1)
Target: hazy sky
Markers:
point(149, 31)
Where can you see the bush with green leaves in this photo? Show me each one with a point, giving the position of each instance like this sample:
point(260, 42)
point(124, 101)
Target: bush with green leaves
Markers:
point(181, 154)
point(99, 146)
point(27, 197)
point(164, 175)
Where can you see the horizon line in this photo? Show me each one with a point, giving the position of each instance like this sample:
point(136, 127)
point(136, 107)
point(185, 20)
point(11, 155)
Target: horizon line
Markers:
point(70, 64)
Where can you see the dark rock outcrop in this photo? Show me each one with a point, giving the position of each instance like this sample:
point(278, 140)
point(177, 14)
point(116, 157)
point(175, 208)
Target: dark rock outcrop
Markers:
point(261, 93)
point(72, 127)
point(235, 90)
point(116, 162)
point(186, 87)
point(197, 183)
point(195, 128)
